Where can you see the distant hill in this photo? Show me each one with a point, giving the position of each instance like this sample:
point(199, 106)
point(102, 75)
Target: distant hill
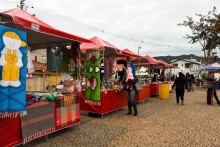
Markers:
point(168, 58)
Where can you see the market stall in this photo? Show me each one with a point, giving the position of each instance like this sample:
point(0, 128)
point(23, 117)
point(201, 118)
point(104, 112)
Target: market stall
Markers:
point(35, 114)
point(103, 93)
point(160, 82)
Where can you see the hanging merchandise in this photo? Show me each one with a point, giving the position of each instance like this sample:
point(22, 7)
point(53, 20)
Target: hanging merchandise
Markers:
point(71, 65)
point(158, 71)
point(77, 86)
point(71, 58)
point(53, 59)
point(112, 59)
point(65, 60)
point(68, 100)
point(102, 65)
point(107, 69)
point(30, 66)
point(102, 70)
point(74, 59)
point(13, 67)
point(93, 77)
point(59, 56)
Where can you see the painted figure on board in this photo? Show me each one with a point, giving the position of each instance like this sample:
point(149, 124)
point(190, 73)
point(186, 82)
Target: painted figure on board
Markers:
point(11, 59)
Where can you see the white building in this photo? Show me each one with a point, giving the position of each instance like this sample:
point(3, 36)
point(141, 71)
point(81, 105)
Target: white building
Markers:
point(39, 55)
point(190, 66)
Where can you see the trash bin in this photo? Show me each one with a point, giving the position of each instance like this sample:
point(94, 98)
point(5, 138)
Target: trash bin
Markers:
point(164, 90)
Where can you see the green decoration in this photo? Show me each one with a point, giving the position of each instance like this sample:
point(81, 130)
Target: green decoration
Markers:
point(93, 76)
point(51, 97)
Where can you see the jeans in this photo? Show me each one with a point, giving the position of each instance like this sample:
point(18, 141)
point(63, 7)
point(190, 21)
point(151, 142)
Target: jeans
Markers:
point(190, 86)
point(131, 95)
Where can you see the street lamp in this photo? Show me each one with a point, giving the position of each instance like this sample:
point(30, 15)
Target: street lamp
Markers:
point(139, 60)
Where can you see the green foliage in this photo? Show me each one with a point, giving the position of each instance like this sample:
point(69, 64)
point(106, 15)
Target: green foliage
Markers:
point(205, 30)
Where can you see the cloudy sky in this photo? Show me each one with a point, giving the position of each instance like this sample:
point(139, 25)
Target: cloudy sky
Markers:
point(150, 24)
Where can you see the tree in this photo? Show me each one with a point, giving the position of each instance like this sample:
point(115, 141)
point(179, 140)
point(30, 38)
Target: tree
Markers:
point(206, 32)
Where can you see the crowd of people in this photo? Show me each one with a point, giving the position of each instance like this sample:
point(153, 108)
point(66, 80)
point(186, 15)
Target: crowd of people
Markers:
point(186, 82)
point(182, 83)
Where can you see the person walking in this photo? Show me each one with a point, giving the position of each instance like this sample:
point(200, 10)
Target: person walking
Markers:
point(211, 89)
point(131, 93)
point(189, 82)
point(193, 82)
point(180, 86)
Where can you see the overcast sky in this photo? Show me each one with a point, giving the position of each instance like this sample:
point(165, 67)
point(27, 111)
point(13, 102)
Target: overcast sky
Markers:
point(124, 23)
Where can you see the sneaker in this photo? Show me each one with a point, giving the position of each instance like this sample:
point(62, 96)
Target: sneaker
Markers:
point(129, 113)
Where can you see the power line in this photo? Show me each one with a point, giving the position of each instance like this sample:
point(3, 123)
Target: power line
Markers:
point(68, 19)
point(8, 2)
point(85, 26)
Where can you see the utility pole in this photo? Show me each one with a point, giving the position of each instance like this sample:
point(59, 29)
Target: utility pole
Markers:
point(139, 60)
point(22, 4)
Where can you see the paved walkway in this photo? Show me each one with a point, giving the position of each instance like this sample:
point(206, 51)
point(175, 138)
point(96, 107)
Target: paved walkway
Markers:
point(160, 123)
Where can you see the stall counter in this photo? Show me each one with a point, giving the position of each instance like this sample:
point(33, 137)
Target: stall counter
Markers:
point(154, 89)
point(143, 94)
point(110, 101)
point(12, 127)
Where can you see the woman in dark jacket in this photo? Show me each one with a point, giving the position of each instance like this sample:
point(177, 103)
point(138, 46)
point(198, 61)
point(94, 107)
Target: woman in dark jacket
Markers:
point(180, 84)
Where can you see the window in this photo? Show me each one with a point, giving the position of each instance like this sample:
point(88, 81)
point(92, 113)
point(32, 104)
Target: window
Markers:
point(35, 58)
point(187, 65)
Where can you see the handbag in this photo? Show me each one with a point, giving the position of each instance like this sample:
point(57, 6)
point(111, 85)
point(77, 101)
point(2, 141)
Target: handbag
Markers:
point(138, 86)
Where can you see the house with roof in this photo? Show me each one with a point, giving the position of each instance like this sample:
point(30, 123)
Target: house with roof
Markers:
point(41, 78)
point(190, 66)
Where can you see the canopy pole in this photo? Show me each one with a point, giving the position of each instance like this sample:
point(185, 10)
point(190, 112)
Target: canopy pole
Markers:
point(56, 77)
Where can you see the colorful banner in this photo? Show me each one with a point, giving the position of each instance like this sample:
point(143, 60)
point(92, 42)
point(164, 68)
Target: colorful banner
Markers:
point(93, 77)
point(13, 60)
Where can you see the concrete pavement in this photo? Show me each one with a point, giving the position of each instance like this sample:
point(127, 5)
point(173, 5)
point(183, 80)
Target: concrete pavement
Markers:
point(160, 123)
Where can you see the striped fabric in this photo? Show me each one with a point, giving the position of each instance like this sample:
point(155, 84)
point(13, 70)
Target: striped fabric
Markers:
point(38, 122)
point(67, 109)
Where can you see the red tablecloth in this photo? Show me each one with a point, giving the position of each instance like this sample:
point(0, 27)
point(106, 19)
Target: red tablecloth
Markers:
point(143, 94)
point(10, 129)
point(109, 102)
point(154, 89)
